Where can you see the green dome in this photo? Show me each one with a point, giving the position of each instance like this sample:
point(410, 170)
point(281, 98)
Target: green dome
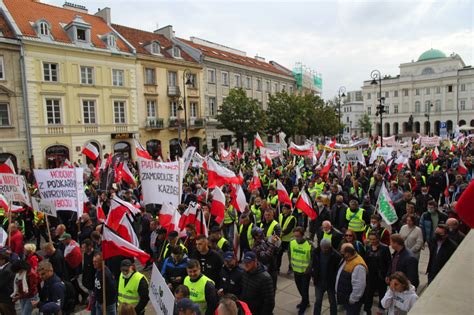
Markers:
point(432, 54)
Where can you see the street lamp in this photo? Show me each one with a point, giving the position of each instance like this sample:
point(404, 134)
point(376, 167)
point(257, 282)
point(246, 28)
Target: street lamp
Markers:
point(427, 115)
point(377, 76)
point(341, 93)
point(187, 80)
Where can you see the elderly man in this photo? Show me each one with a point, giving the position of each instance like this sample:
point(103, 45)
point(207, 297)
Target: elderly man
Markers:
point(453, 231)
point(329, 232)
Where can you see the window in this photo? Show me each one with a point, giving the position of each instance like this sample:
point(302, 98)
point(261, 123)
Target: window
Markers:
point(248, 83)
point(438, 105)
point(155, 48)
point(225, 78)
point(450, 88)
point(405, 92)
point(172, 78)
point(463, 87)
point(4, 115)
point(111, 41)
point(117, 77)
point(193, 78)
point(2, 69)
point(283, 88)
point(268, 86)
point(53, 111)
point(427, 106)
point(438, 90)
point(369, 96)
point(291, 89)
point(150, 109)
point(417, 107)
point(119, 112)
point(428, 91)
point(50, 72)
point(387, 94)
point(387, 109)
point(417, 91)
point(44, 29)
point(212, 106)
point(369, 110)
point(173, 109)
point(176, 52)
point(259, 84)
point(395, 109)
point(395, 93)
point(238, 83)
point(149, 76)
point(211, 75)
point(275, 87)
point(81, 34)
point(88, 110)
point(193, 108)
point(347, 119)
point(378, 95)
point(87, 75)
point(462, 105)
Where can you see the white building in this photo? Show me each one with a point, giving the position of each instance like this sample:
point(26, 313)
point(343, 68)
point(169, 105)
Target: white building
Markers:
point(351, 111)
point(435, 88)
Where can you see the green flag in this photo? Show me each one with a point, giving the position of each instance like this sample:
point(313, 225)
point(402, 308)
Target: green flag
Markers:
point(385, 207)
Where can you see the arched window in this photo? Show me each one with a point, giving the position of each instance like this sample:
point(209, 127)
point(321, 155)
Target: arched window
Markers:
point(436, 127)
point(395, 128)
point(449, 126)
point(387, 129)
point(175, 149)
point(56, 155)
point(123, 148)
point(155, 48)
point(427, 128)
point(427, 70)
point(405, 127)
point(417, 107)
point(437, 105)
point(417, 127)
point(5, 156)
point(44, 29)
point(154, 148)
point(195, 142)
point(462, 122)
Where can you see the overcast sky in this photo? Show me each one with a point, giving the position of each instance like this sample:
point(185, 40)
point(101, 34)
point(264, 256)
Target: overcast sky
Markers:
point(343, 40)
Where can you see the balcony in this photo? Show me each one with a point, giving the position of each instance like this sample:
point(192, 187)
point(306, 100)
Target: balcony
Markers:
point(56, 130)
point(173, 91)
point(175, 123)
point(91, 129)
point(121, 128)
point(197, 123)
point(155, 123)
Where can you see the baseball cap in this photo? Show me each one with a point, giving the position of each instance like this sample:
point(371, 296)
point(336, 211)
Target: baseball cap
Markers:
point(229, 255)
point(65, 236)
point(125, 264)
point(249, 257)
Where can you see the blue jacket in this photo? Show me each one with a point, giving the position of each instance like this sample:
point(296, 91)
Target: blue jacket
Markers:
point(52, 296)
point(171, 271)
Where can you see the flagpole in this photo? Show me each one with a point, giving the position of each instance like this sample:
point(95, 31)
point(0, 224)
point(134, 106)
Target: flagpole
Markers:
point(9, 222)
point(47, 227)
point(104, 306)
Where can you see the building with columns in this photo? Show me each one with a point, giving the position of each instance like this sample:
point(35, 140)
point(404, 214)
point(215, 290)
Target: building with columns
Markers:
point(433, 89)
point(352, 109)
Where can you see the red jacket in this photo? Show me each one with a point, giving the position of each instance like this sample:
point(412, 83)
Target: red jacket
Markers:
point(73, 255)
point(33, 280)
point(17, 243)
point(242, 306)
point(32, 260)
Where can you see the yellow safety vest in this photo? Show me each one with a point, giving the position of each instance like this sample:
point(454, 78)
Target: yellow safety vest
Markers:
point(129, 293)
point(327, 236)
point(257, 213)
point(185, 250)
point(319, 188)
point(356, 223)
point(197, 291)
point(229, 215)
point(270, 228)
point(249, 234)
point(273, 201)
point(288, 237)
point(300, 256)
point(221, 242)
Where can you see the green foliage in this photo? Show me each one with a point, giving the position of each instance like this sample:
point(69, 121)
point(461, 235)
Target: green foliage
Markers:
point(365, 124)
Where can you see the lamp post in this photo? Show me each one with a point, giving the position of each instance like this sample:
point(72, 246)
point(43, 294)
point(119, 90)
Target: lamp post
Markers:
point(340, 94)
point(377, 76)
point(427, 115)
point(187, 75)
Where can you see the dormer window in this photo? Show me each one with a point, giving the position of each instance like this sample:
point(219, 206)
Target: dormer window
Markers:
point(111, 41)
point(79, 31)
point(176, 52)
point(155, 48)
point(81, 34)
point(44, 29)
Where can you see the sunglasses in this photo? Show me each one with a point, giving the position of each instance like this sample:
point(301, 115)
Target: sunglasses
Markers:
point(349, 235)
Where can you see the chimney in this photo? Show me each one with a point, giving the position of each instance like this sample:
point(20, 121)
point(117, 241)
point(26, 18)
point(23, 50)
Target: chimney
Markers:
point(166, 31)
point(75, 7)
point(105, 15)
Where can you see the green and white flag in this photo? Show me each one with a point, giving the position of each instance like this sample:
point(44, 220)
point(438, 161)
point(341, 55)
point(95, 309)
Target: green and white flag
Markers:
point(385, 207)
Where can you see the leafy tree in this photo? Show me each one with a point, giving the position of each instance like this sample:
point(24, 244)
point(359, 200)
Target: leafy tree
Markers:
point(284, 114)
point(242, 115)
point(365, 124)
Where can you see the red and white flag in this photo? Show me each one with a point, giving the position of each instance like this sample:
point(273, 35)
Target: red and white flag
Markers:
point(258, 141)
point(255, 183)
point(218, 204)
point(305, 149)
point(114, 245)
point(435, 153)
point(127, 175)
point(7, 167)
point(100, 212)
point(90, 151)
point(237, 196)
point(333, 142)
point(225, 155)
point(4, 203)
point(126, 231)
point(464, 206)
point(141, 151)
point(304, 204)
point(169, 218)
point(194, 215)
point(219, 175)
point(462, 169)
point(283, 196)
point(67, 164)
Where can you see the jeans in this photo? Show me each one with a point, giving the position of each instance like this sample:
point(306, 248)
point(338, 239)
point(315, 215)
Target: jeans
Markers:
point(353, 309)
point(319, 290)
point(26, 307)
point(374, 285)
point(109, 309)
point(302, 283)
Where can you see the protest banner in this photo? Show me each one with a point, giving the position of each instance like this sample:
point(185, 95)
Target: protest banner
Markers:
point(161, 182)
point(46, 206)
point(160, 295)
point(391, 141)
point(430, 141)
point(63, 186)
point(13, 187)
point(385, 153)
point(385, 207)
point(187, 157)
point(352, 157)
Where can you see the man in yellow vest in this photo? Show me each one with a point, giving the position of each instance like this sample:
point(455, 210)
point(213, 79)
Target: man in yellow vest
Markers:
point(222, 242)
point(300, 260)
point(201, 289)
point(288, 223)
point(269, 225)
point(356, 218)
point(133, 287)
point(272, 198)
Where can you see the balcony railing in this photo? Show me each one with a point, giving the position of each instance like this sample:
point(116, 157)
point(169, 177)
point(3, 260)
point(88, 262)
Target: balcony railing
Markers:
point(55, 130)
point(197, 122)
point(175, 123)
point(91, 129)
point(121, 128)
point(155, 123)
point(173, 91)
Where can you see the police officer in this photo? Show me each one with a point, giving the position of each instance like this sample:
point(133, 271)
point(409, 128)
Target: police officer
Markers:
point(133, 287)
point(300, 260)
point(201, 289)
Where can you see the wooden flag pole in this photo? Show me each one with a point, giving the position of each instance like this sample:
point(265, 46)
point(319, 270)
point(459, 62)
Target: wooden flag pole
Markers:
point(47, 227)
point(9, 222)
point(104, 303)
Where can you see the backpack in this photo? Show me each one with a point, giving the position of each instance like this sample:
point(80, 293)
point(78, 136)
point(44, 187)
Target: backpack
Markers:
point(69, 297)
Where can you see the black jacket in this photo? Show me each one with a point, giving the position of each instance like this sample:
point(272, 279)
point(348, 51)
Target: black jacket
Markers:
point(231, 280)
point(257, 291)
point(440, 258)
point(52, 296)
point(335, 240)
point(59, 264)
point(111, 293)
point(6, 284)
point(378, 262)
point(88, 271)
point(408, 264)
point(332, 267)
point(211, 265)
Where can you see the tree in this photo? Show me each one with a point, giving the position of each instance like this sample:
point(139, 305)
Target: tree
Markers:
point(242, 115)
point(284, 114)
point(365, 124)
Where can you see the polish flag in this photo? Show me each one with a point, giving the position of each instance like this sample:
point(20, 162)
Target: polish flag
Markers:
point(419, 162)
point(435, 153)
point(304, 204)
point(127, 175)
point(237, 196)
point(255, 182)
point(126, 231)
point(114, 245)
point(462, 169)
point(446, 190)
point(305, 149)
point(141, 151)
point(7, 167)
point(97, 170)
point(90, 151)
point(100, 212)
point(315, 160)
point(193, 215)
point(218, 204)
point(225, 155)
point(258, 141)
point(169, 218)
point(219, 175)
point(67, 164)
point(452, 148)
point(118, 173)
point(4, 203)
point(332, 144)
point(322, 158)
point(283, 196)
point(464, 206)
point(326, 167)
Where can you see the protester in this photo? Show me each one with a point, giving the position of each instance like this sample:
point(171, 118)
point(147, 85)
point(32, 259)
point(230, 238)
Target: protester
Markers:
point(412, 235)
point(25, 286)
point(110, 287)
point(400, 296)
point(132, 287)
point(7, 306)
point(402, 260)
point(174, 268)
point(231, 276)
point(211, 263)
point(441, 249)
point(202, 289)
point(300, 259)
point(52, 293)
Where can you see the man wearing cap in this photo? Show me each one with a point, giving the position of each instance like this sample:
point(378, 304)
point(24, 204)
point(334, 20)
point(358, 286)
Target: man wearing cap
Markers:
point(133, 287)
point(257, 286)
point(231, 276)
point(173, 240)
point(201, 289)
point(211, 263)
point(222, 243)
point(73, 259)
point(288, 223)
point(300, 259)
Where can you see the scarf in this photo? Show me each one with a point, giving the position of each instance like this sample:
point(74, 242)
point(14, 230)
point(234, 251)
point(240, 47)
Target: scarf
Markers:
point(21, 276)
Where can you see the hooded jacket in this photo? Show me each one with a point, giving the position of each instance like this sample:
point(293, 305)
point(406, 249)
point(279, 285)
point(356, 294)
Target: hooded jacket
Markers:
point(399, 303)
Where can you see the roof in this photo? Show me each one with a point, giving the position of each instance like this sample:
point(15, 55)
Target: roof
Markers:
point(432, 54)
point(5, 29)
point(230, 57)
point(27, 12)
point(139, 39)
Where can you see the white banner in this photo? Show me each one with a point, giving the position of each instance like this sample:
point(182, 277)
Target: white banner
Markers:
point(46, 206)
point(63, 186)
point(389, 140)
point(161, 181)
point(160, 295)
point(352, 156)
point(3, 237)
point(384, 152)
point(188, 156)
point(430, 141)
point(13, 187)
